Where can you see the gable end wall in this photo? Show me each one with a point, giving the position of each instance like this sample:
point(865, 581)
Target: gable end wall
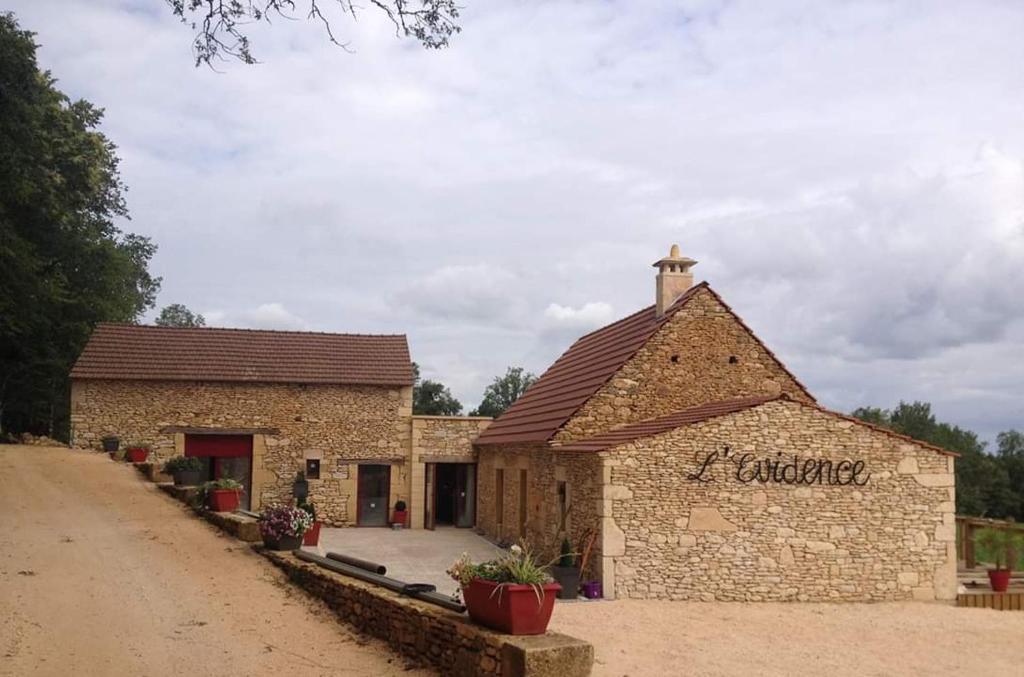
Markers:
point(704, 335)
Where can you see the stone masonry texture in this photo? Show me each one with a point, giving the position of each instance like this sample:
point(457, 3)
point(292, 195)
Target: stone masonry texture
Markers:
point(722, 539)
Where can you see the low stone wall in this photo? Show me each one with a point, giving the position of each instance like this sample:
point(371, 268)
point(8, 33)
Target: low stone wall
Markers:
point(240, 526)
point(433, 636)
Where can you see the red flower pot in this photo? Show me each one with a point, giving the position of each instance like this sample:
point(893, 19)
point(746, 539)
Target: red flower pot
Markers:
point(224, 500)
point(138, 454)
point(999, 579)
point(312, 537)
point(400, 517)
point(509, 608)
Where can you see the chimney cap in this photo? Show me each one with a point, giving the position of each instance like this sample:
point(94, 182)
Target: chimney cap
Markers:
point(674, 259)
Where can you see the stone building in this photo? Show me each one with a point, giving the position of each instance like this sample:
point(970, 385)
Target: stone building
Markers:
point(703, 469)
point(260, 406)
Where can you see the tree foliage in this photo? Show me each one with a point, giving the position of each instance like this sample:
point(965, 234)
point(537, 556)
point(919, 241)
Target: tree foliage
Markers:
point(177, 315)
point(221, 26)
point(987, 485)
point(64, 265)
point(503, 391)
point(432, 398)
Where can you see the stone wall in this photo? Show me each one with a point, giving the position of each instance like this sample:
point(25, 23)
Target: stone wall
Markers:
point(545, 469)
point(702, 354)
point(447, 438)
point(430, 635)
point(673, 537)
point(340, 425)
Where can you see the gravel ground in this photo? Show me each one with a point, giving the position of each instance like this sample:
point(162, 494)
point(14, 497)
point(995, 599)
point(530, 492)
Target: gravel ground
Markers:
point(102, 574)
point(838, 640)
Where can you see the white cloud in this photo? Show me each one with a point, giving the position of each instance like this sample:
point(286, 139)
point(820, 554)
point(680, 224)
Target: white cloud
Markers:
point(848, 174)
point(263, 316)
point(588, 316)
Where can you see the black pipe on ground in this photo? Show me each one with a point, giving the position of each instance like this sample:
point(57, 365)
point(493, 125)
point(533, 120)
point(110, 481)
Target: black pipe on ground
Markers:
point(361, 563)
point(421, 591)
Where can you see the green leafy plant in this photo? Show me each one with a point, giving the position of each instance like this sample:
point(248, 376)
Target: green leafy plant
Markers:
point(183, 463)
point(310, 509)
point(517, 566)
point(566, 557)
point(1002, 545)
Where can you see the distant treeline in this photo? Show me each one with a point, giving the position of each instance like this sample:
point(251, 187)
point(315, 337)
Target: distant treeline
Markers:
point(987, 485)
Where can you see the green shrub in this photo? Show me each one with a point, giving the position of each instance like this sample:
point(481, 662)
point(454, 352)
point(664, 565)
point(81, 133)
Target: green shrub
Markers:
point(1003, 547)
point(183, 463)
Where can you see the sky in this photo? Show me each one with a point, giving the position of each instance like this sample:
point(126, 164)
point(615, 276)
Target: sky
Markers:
point(849, 175)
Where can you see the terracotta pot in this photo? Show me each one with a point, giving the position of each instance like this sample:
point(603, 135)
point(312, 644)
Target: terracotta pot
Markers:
point(224, 500)
point(283, 543)
point(400, 517)
point(138, 454)
point(510, 608)
point(312, 537)
point(999, 579)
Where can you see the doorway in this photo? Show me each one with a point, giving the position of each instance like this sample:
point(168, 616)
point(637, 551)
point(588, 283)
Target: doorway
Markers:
point(373, 495)
point(225, 457)
point(451, 495)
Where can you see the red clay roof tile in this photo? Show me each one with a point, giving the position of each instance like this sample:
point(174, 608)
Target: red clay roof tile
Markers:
point(123, 351)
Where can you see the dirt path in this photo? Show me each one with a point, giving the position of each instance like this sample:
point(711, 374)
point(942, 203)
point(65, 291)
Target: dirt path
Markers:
point(789, 640)
point(102, 574)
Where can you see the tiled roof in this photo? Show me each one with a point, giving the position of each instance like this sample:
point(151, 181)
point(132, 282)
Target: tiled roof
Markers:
point(581, 371)
point(123, 351)
point(663, 424)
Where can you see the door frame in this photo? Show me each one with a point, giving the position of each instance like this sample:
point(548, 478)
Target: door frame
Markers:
point(359, 496)
point(429, 496)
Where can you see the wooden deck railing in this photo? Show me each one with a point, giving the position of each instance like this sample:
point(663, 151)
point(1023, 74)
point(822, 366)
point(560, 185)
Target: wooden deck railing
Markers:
point(965, 533)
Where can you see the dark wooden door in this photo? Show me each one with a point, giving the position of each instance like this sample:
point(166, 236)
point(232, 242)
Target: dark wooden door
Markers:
point(429, 496)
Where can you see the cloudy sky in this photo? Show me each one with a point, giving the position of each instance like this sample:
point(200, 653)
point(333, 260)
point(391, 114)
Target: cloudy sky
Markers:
point(850, 176)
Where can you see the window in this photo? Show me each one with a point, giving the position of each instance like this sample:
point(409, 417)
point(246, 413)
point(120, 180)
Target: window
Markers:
point(563, 505)
point(499, 496)
point(312, 468)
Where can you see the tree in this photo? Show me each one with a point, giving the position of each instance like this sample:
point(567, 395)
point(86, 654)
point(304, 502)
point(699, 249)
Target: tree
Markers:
point(221, 26)
point(986, 485)
point(503, 391)
point(64, 265)
point(177, 315)
point(432, 398)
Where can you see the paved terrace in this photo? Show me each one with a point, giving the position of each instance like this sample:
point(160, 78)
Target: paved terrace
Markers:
point(411, 555)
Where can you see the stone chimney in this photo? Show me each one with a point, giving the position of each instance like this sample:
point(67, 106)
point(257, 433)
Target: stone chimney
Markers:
point(674, 278)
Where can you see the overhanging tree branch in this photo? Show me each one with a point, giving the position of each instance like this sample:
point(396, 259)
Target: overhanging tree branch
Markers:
point(220, 25)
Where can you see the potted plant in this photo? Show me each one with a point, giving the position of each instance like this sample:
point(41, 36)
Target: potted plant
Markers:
point(111, 443)
point(300, 487)
point(511, 594)
point(138, 453)
point(222, 495)
point(566, 573)
point(1002, 545)
point(283, 527)
point(312, 536)
point(401, 515)
point(187, 470)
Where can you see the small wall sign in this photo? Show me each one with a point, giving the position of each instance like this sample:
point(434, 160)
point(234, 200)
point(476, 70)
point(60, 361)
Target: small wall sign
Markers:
point(776, 468)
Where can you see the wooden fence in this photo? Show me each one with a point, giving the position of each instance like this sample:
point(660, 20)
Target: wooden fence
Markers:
point(966, 529)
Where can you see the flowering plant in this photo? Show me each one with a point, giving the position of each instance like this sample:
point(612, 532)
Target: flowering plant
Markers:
point(515, 567)
point(282, 521)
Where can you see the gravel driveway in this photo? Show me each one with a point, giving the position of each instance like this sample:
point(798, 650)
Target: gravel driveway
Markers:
point(102, 574)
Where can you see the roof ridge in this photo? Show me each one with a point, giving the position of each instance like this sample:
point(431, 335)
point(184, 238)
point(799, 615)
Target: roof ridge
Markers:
point(131, 325)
